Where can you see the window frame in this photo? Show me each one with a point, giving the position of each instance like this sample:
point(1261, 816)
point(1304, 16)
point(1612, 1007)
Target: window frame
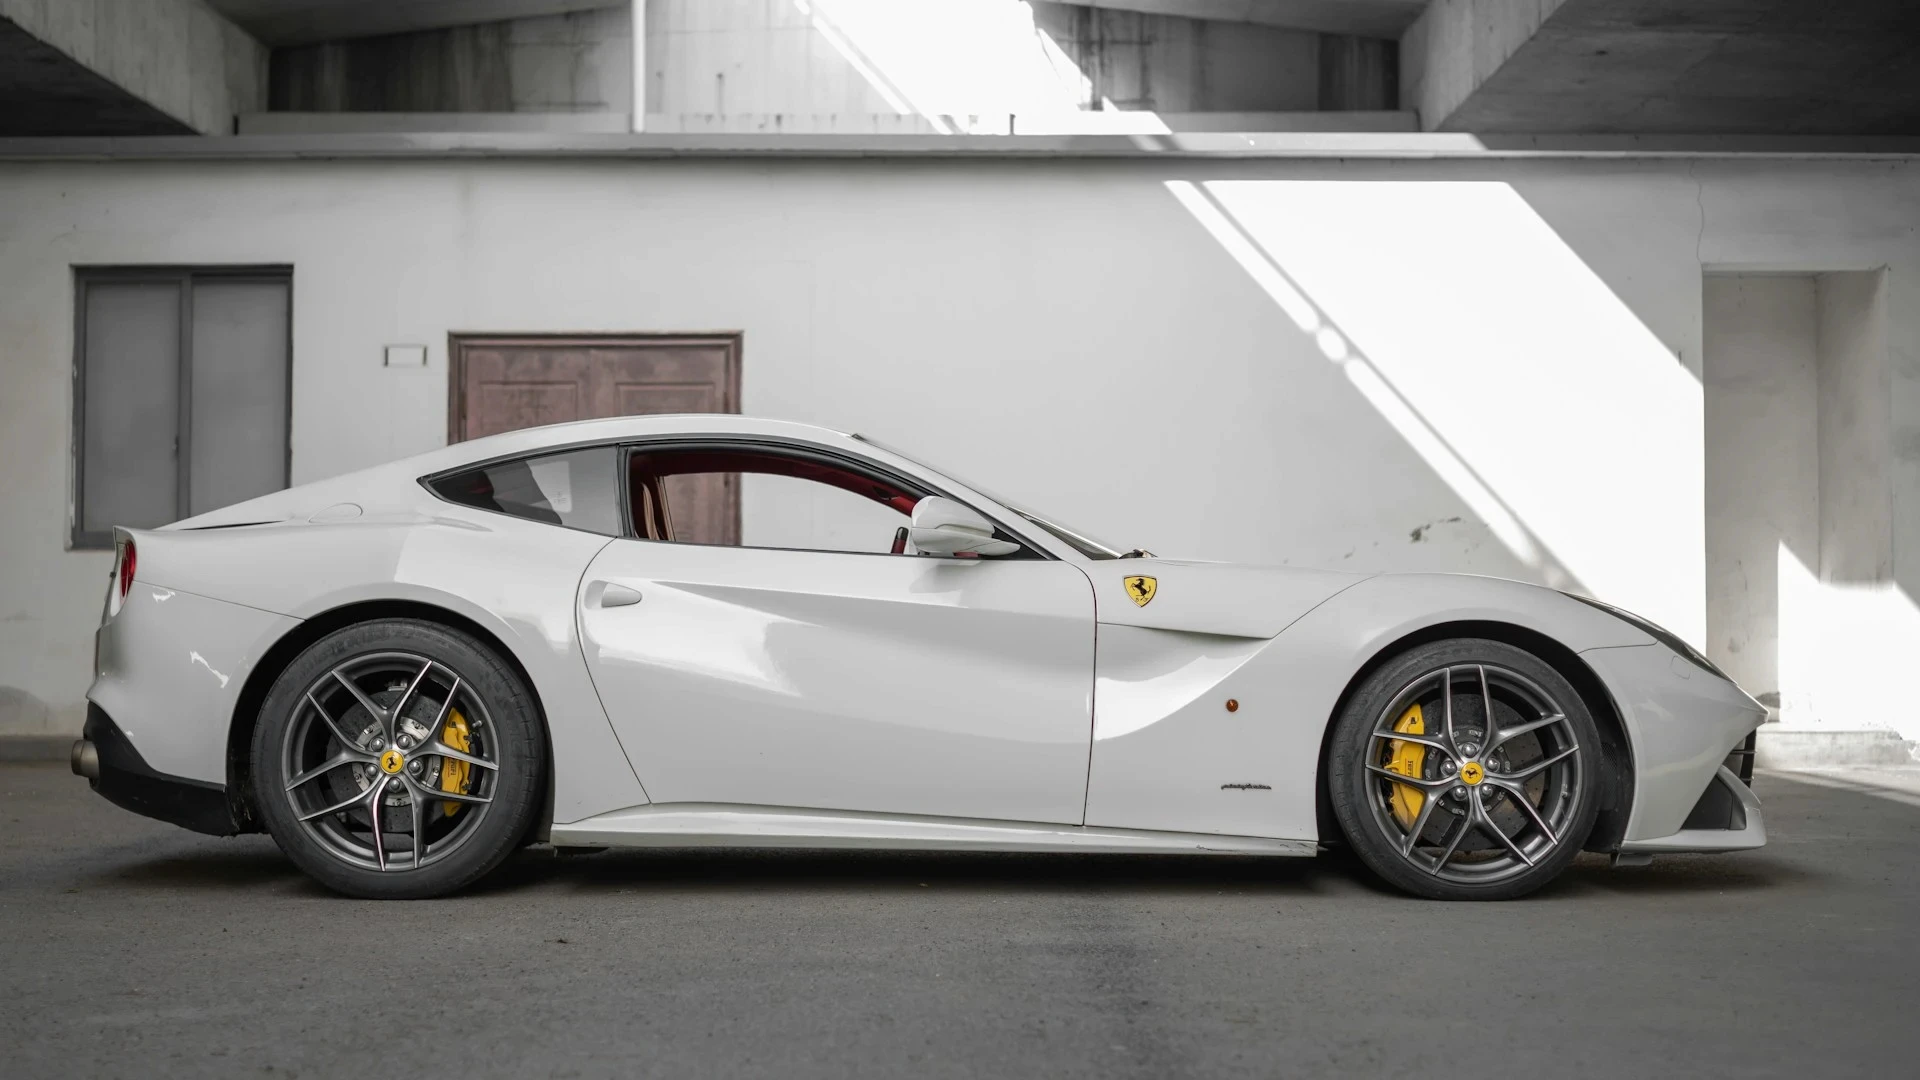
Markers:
point(79, 538)
point(824, 455)
point(624, 510)
point(827, 455)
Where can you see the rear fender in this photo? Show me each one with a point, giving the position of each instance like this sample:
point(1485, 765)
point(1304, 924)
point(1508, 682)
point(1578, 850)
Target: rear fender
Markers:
point(515, 578)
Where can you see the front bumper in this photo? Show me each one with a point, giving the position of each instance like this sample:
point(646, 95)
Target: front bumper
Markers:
point(1727, 818)
point(117, 771)
point(1682, 723)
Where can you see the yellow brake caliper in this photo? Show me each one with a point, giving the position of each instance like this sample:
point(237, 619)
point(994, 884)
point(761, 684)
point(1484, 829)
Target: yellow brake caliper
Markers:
point(455, 775)
point(1408, 759)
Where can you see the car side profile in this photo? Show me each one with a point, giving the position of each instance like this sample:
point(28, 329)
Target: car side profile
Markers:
point(555, 634)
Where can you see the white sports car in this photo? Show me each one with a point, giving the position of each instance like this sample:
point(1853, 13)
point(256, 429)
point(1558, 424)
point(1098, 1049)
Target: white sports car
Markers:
point(406, 673)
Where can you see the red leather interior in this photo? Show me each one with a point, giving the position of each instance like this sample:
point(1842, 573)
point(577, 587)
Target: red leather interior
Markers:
point(647, 468)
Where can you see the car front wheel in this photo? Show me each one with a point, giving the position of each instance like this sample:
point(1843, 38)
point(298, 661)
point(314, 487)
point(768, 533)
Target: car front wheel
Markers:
point(1465, 769)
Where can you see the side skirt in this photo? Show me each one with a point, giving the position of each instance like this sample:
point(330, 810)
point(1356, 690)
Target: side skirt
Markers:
point(715, 825)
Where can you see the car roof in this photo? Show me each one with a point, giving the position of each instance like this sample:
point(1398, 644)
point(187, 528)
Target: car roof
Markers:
point(386, 487)
point(577, 432)
point(381, 485)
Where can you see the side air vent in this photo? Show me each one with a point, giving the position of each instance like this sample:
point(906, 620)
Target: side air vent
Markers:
point(1719, 807)
point(1740, 761)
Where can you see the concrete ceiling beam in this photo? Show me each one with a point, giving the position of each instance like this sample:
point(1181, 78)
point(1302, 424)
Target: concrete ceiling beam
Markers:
point(1360, 18)
point(110, 67)
point(1455, 46)
point(1695, 67)
point(305, 22)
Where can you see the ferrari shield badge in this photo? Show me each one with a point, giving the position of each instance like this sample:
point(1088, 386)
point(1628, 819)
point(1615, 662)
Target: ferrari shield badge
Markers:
point(1142, 589)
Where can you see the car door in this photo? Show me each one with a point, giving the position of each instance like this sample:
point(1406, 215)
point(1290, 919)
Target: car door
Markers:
point(891, 684)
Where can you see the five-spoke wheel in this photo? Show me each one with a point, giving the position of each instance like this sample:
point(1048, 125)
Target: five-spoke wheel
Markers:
point(389, 756)
point(397, 759)
point(1465, 769)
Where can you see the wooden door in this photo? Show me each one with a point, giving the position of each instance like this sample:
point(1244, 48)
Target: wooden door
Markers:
point(506, 382)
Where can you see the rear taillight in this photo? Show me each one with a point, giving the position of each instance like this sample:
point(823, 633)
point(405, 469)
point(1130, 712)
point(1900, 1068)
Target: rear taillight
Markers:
point(124, 557)
point(127, 555)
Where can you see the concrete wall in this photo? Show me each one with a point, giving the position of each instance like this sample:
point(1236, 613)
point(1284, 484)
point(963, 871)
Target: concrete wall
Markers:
point(1373, 364)
point(1456, 45)
point(1162, 63)
point(1856, 503)
point(1761, 340)
point(987, 66)
point(573, 63)
point(178, 55)
point(1802, 603)
point(863, 66)
point(1846, 627)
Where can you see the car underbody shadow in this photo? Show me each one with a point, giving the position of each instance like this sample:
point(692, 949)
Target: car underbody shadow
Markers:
point(706, 869)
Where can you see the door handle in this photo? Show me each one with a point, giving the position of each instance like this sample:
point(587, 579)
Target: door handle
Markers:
point(606, 594)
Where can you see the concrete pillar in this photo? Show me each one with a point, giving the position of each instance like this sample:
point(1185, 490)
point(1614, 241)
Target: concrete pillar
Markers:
point(1856, 441)
point(1760, 335)
point(1803, 608)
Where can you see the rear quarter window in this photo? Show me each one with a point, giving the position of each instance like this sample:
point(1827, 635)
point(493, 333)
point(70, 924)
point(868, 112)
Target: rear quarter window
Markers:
point(578, 489)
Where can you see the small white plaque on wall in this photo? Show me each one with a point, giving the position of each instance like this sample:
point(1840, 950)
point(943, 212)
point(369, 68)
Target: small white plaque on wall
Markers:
point(412, 356)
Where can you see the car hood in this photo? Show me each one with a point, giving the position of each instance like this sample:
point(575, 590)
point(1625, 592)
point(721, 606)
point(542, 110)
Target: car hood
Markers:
point(1208, 597)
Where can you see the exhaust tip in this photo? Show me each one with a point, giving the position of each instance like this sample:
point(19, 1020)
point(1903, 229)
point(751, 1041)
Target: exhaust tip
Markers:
point(85, 759)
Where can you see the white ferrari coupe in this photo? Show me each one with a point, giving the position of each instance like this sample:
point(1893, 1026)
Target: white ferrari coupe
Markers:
point(555, 634)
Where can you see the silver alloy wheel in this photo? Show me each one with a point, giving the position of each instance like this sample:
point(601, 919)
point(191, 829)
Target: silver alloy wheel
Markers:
point(370, 775)
point(1505, 766)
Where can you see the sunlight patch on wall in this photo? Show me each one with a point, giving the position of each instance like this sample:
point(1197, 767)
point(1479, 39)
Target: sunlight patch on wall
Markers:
point(1845, 652)
point(1405, 420)
point(1504, 360)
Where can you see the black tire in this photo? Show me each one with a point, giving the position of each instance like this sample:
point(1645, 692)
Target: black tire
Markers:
point(321, 700)
point(1377, 823)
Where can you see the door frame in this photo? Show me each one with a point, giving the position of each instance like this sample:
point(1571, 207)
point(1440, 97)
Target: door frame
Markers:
point(459, 341)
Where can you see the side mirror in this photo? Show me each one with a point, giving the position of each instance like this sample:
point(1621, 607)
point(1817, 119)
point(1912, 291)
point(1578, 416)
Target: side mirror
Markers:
point(944, 527)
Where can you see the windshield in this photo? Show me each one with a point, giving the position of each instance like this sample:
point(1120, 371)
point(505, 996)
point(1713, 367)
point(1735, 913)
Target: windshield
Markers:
point(1078, 541)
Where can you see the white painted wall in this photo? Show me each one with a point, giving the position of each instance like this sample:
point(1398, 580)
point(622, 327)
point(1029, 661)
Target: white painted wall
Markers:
point(1484, 366)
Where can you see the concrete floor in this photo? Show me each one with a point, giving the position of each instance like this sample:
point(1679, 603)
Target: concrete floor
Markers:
point(129, 948)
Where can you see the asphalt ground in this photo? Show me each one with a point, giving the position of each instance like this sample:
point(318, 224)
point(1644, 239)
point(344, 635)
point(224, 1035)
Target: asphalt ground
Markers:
point(131, 948)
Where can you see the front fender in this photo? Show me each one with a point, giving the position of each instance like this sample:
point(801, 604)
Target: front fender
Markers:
point(1168, 752)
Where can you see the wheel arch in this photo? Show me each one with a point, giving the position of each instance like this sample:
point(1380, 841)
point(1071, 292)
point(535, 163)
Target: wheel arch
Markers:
point(281, 654)
point(1616, 788)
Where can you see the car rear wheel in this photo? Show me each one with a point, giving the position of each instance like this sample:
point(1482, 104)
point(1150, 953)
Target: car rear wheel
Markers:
point(1465, 769)
point(398, 759)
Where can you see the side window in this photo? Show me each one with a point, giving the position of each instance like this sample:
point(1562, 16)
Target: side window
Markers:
point(579, 489)
point(792, 502)
point(788, 512)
